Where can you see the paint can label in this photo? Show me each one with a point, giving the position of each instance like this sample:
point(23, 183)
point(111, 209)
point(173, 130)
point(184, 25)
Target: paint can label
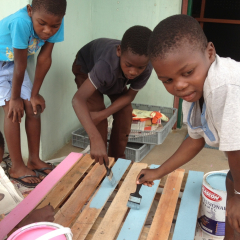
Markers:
point(213, 210)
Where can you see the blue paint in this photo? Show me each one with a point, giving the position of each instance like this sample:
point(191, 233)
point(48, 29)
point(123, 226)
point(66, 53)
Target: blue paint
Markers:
point(188, 211)
point(135, 220)
point(106, 187)
point(217, 181)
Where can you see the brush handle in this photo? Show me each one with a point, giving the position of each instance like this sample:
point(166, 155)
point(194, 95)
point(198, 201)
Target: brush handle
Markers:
point(108, 169)
point(139, 185)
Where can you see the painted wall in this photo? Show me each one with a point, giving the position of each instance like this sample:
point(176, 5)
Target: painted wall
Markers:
point(112, 18)
point(86, 20)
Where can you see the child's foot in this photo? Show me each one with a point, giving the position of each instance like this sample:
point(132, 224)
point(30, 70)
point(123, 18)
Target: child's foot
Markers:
point(25, 175)
point(40, 166)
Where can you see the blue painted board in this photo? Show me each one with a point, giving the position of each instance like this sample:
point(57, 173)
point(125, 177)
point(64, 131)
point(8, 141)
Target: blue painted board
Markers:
point(106, 187)
point(188, 211)
point(135, 220)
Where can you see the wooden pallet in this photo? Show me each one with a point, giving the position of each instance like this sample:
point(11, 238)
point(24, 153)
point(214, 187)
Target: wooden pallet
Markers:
point(82, 197)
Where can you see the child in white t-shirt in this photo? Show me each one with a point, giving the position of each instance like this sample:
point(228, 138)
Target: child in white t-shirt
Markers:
point(189, 68)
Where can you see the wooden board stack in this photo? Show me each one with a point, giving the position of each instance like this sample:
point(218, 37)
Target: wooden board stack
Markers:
point(81, 196)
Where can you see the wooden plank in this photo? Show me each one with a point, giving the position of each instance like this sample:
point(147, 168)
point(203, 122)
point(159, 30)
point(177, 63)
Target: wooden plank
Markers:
point(64, 187)
point(117, 210)
point(33, 199)
point(202, 11)
point(188, 211)
point(71, 209)
point(212, 20)
point(90, 213)
point(162, 220)
point(135, 220)
point(184, 6)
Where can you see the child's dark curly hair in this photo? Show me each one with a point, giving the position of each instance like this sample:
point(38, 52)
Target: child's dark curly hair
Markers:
point(174, 32)
point(55, 7)
point(136, 40)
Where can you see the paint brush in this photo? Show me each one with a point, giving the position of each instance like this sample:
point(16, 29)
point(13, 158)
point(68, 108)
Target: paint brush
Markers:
point(110, 176)
point(135, 198)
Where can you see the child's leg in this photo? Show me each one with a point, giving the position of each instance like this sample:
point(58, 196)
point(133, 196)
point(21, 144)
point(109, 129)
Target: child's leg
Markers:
point(12, 134)
point(120, 130)
point(33, 130)
point(230, 234)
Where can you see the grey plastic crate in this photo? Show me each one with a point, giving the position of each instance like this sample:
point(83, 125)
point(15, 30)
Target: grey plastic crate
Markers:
point(134, 151)
point(153, 137)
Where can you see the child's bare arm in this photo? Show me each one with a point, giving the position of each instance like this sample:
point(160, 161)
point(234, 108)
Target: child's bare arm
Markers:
point(187, 150)
point(233, 204)
point(45, 214)
point(16, 109)
point(44, 62)
point(98, 148)
point(120, 103)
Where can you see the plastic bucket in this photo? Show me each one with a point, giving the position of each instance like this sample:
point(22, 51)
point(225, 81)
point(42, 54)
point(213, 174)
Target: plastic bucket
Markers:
point(213, 206)
point(42, 231)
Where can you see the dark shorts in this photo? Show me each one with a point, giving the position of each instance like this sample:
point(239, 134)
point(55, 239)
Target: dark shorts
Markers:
point(229, 176)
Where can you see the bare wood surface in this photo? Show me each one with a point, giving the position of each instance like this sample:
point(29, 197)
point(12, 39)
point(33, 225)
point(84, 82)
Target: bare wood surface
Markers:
point(116, 212)
point(65, 186)
point(71, 209)
point(161, 225)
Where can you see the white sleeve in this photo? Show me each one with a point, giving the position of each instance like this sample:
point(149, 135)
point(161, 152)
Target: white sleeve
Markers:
point(225, 111)
point(192, 132)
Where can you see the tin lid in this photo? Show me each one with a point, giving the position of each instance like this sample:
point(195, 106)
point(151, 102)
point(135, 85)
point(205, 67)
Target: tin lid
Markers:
point(217, 180)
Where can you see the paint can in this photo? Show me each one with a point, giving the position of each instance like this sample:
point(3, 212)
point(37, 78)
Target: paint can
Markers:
point(42, 231)
point(213, 206)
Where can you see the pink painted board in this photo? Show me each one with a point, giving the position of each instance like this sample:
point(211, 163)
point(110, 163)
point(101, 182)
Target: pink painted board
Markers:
point(33, 199)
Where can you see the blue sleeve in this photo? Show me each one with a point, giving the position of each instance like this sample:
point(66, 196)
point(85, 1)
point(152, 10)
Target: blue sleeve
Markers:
point(59, 35)
point(101, 75)
point(20, 33)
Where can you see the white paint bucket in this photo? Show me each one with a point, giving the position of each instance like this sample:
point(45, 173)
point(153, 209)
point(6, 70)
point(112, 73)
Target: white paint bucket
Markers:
point(213, 206)
point(42, 231)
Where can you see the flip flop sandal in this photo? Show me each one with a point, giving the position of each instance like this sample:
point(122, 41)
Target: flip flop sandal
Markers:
point(41, 170)
point(26, 184)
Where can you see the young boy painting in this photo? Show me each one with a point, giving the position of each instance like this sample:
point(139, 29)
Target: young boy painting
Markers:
point(35, 26)
point(188, 66)
point(105, 67)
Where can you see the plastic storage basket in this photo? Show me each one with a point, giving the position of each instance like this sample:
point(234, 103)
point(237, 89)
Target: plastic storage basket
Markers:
point(153, 137)
point(134, 151)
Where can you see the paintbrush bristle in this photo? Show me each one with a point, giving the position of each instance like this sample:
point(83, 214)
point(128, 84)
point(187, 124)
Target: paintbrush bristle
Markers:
point(111, 178)
point(132, 205)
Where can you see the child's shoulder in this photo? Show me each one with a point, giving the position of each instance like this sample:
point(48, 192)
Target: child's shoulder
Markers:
point(223, 71)
point(20, 15)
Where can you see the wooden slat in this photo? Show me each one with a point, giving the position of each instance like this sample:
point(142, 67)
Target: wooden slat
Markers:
point(162, 220)
point(90, 213)
point(115, 214)
point(212, 20)
point(33, 199)
point(184, 6)
point(64, 187)
point(68, 213)
point(202, 11)
point(188, 211)
point(135, 220)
